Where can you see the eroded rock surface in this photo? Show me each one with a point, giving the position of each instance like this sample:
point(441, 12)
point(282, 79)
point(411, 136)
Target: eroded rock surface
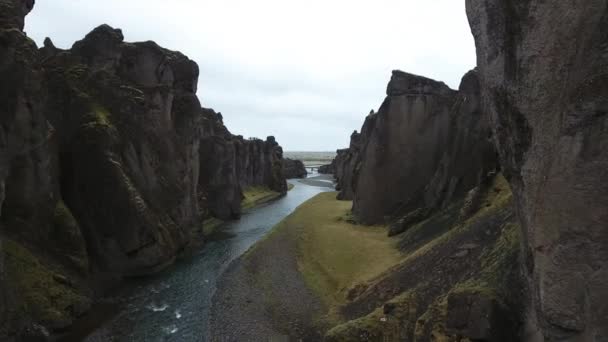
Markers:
point(543, 69)
point(106, 163)
point(426, 146)
point(229, 164)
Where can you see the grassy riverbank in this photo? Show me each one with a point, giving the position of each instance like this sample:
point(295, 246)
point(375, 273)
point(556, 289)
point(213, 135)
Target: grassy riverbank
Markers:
point(319, 274)
point(252, 197)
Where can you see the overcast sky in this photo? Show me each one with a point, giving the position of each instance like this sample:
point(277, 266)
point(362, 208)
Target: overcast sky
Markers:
point(305, 71)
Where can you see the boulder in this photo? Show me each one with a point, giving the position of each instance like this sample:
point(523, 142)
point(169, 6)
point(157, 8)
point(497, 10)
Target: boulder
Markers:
point(544, 80)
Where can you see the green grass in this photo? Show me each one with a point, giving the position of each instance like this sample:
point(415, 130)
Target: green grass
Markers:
point(256, 195)
point(495, 278)
point(290, 186)
point(210, 225)
point(334, 254)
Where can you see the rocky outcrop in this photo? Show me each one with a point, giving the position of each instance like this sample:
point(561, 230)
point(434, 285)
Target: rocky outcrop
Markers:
point(294, 168)
point(129, 125)
point(426, 146)
point(106, 164)
point(347, 161)
point(543, 69)
point(229, 164)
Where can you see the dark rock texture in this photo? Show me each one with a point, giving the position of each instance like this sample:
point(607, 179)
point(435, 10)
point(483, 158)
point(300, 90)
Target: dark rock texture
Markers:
point(544, 76)
point(294, 168)
point(347, 161)
point(108, 164)
point(426, 146)
point(229, 164)
point(129, 128)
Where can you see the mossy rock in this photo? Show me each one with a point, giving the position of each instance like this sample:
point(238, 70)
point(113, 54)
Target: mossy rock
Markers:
point(68, 239)
point(46, 296)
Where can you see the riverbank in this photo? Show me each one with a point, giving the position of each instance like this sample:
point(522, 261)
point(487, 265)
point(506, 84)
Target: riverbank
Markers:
point(252, 197)
point(319, 275)
point(300, 274)
point(174, 305)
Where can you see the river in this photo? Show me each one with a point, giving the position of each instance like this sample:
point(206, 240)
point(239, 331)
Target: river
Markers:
point(174, 305)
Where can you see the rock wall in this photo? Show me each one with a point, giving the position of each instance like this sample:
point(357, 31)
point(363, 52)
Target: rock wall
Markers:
point(544, 68)
point(229, 164)
point(129, 128)
point(106, 160)
point(347, 161)
point(294, 168)
point(426, 145)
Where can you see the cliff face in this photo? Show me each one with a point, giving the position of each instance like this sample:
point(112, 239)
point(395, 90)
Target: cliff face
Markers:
point(106, 162)
point(543, 71)
point(41, 246)
point(347, 160)
point(229, 164)
point(129, 128)
point(426, 145)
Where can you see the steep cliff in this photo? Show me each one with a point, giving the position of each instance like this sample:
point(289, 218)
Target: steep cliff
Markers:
point(106, 162)
point(544, 68)
point(43, 261)
point(129, 127)
point(426, 146)
point(347, 161)
point(229, 164)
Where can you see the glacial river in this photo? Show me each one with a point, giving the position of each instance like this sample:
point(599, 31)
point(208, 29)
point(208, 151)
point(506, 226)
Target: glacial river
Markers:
point(175, 305)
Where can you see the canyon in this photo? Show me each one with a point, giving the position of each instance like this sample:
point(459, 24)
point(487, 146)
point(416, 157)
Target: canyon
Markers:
point(476, 214)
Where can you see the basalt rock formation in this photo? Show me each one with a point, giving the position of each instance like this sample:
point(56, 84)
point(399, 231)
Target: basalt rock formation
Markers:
point(544, 75)
point(425, 165)
point(426, 146)
point(347, 161)
point(229, 164)
point(108, 164)
point(294, 168)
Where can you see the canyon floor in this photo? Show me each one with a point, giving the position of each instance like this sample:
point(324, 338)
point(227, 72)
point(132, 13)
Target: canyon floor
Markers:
point(319, 275)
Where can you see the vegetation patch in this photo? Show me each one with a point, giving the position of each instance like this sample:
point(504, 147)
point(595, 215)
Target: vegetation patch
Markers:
point(484, 248)
point(257, 195)
point(46, 296)
point(210, 225)
point(335, 254)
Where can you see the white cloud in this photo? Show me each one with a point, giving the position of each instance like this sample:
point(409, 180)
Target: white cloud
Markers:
point(304, 71)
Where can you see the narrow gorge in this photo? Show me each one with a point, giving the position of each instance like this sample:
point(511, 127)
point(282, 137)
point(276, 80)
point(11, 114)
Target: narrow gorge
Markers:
point(130, 212)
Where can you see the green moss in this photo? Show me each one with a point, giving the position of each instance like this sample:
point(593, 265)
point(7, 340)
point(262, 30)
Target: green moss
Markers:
point(256, 195)
point(210, 225)
point(98, 118)
point(498, 267)
point(290, 186)
point(395, 325)
point(43, 297)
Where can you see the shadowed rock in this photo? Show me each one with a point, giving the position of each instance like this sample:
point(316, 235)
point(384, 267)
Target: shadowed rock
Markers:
point(544, 83)
point(426, 146)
